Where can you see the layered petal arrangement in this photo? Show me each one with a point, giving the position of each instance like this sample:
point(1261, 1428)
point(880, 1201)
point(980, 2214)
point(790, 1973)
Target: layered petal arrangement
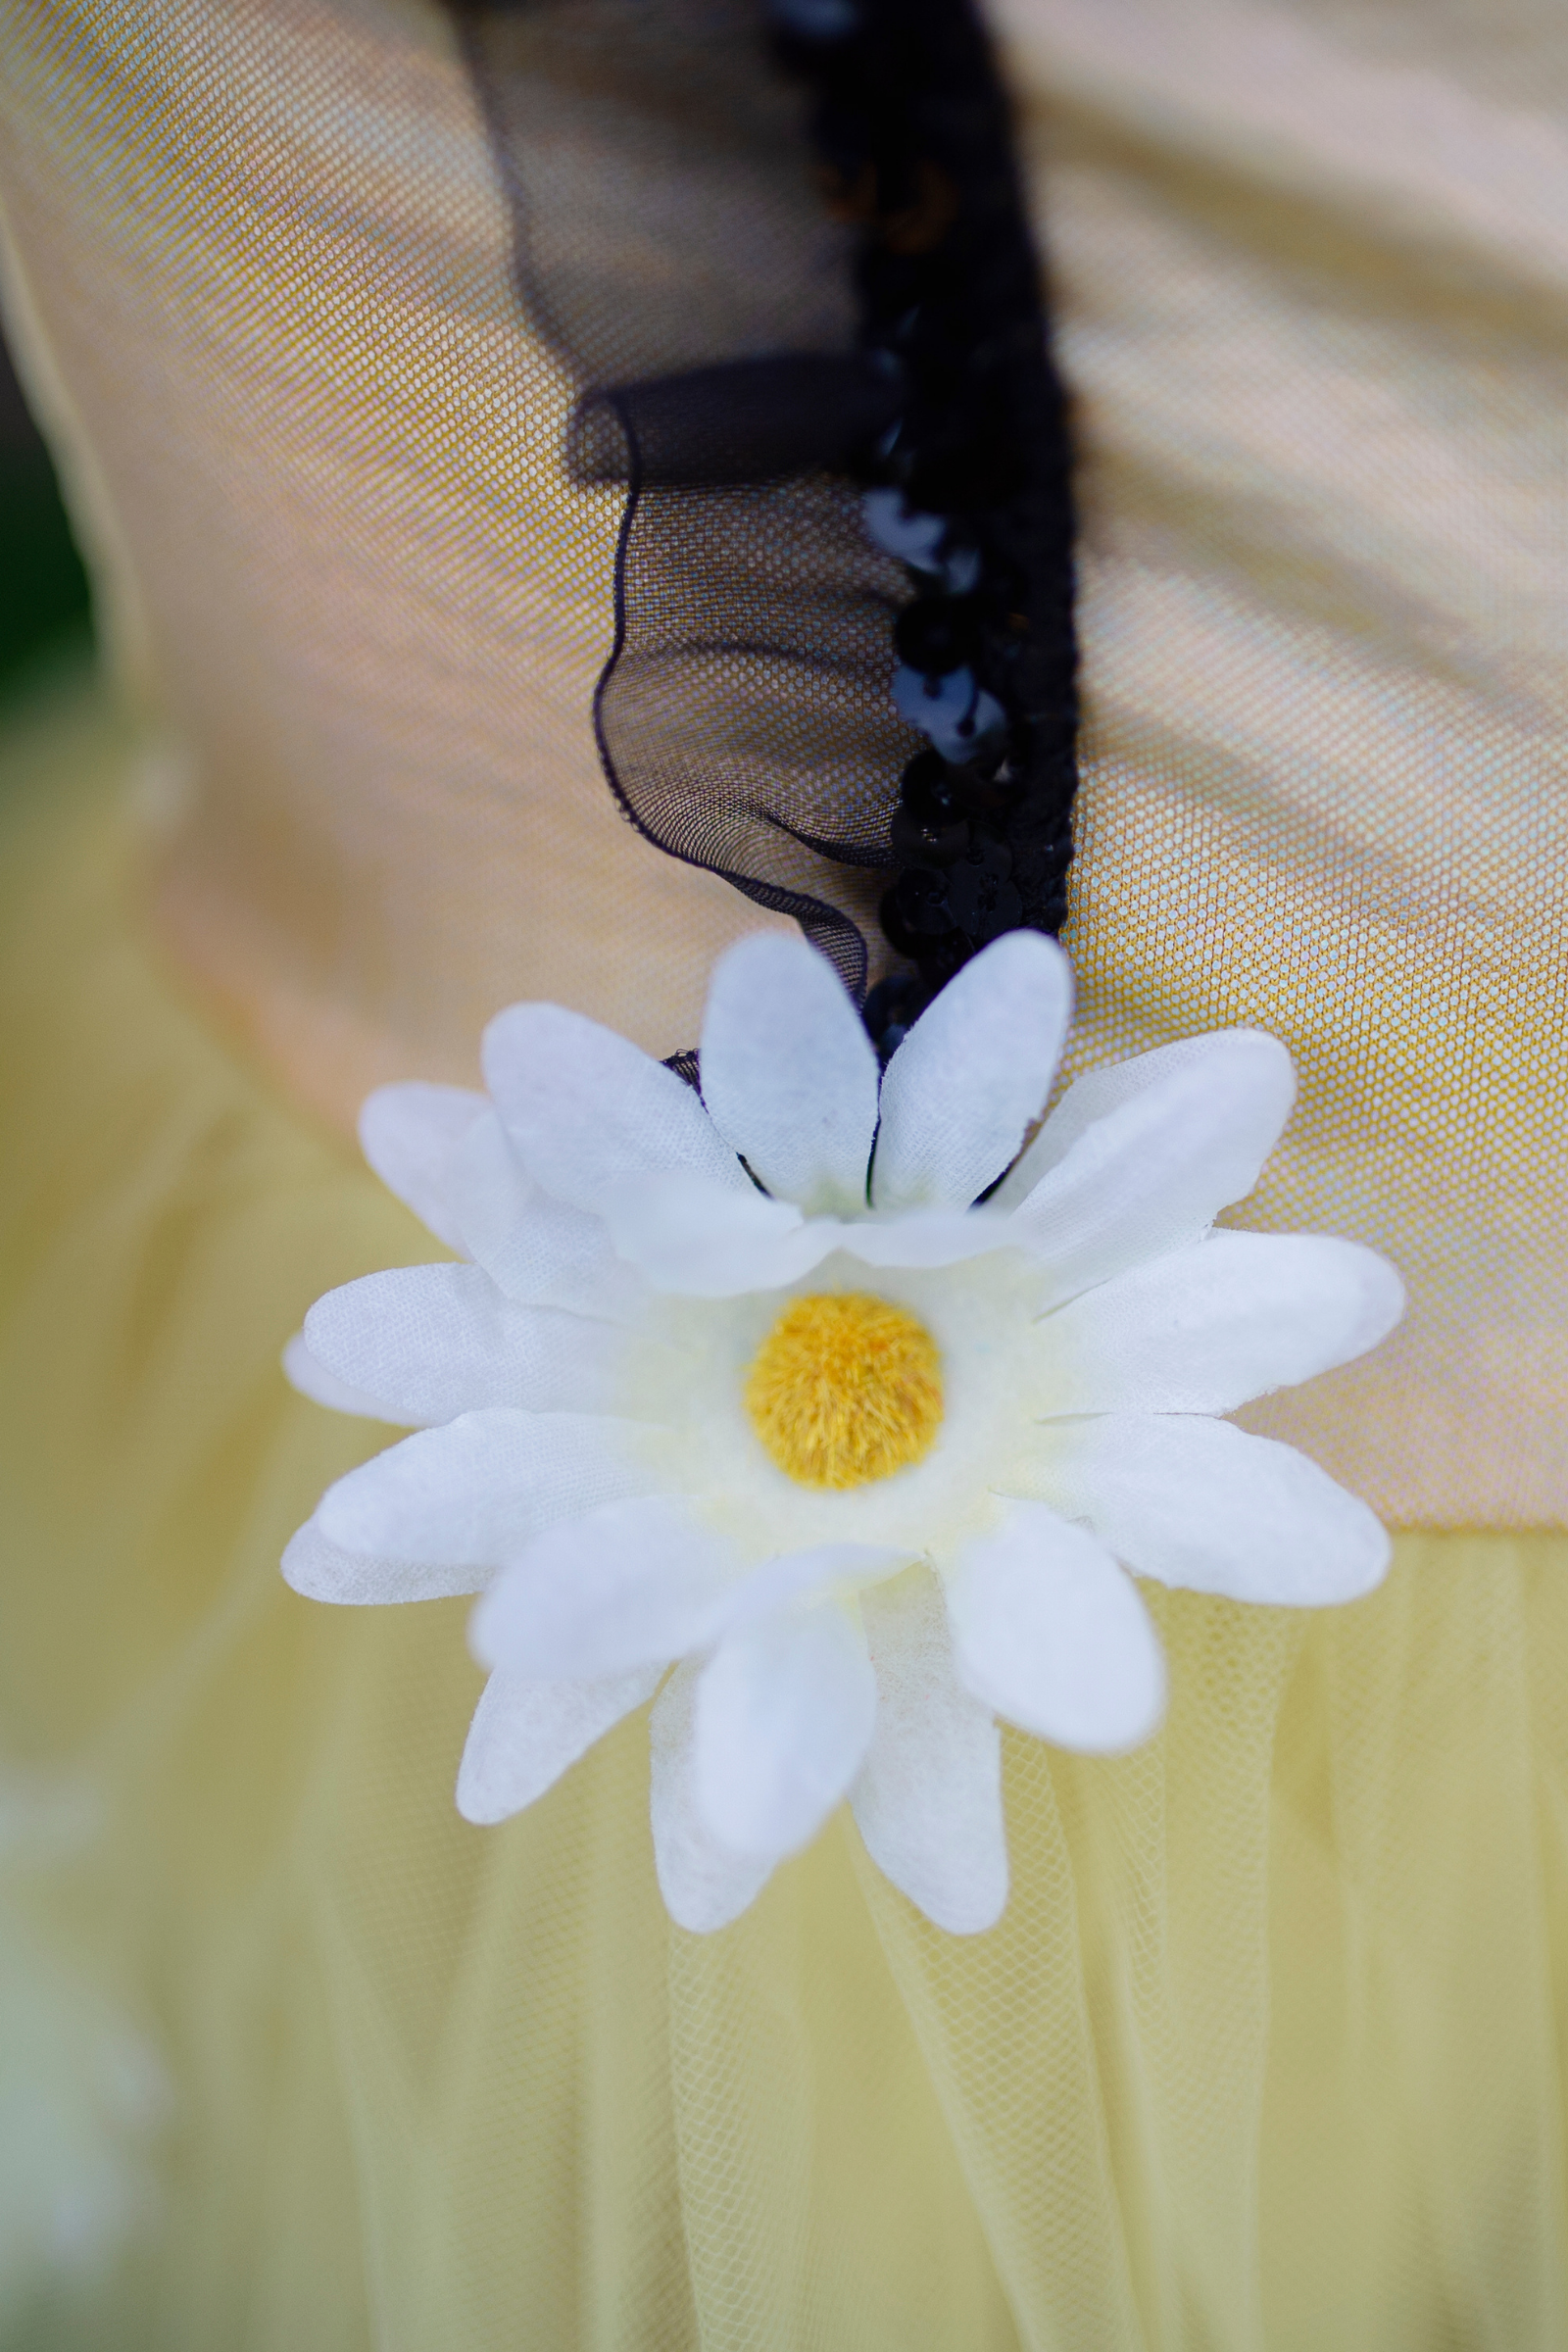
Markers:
point(839, 1412)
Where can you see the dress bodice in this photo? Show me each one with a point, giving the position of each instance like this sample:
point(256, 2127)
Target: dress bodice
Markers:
point(1308, 276)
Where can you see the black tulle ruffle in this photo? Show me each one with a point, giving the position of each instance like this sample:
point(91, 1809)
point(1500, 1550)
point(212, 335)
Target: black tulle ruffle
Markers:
point(785, 249)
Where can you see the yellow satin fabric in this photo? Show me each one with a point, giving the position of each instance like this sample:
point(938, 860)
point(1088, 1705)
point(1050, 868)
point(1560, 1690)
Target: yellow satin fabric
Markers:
point(1265, 2053)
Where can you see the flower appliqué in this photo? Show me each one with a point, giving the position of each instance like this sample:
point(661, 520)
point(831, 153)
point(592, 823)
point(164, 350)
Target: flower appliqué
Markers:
point(819, 1411)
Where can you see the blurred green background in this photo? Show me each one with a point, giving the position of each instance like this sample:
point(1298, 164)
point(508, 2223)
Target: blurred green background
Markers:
point(43, 589)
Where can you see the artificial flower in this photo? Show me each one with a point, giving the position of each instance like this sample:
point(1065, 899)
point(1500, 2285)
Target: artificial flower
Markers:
point(771, 1399)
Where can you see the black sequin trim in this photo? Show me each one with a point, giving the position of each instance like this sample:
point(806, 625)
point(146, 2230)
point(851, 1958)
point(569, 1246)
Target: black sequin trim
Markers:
point(969, 486)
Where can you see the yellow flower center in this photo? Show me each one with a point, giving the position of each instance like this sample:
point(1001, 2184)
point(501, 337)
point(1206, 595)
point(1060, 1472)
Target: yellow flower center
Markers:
point(846, 1389)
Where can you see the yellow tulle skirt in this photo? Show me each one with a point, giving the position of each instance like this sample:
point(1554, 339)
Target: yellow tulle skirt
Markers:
point(1266, 2053)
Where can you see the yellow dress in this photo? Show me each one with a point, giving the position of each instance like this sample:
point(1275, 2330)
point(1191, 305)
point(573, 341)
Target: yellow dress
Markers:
point(1266, 2051)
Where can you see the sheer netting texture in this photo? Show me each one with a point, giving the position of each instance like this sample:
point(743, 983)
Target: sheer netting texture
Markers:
point(262, 261)
point(1264, 2054)
point(1266, 2049)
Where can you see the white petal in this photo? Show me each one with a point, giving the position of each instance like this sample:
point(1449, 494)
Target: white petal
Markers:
point(789, 1076)
point(784, 1715)
point(684, 1236)
point(1048, 1631)
point(704, 1886)
point(1141, 1158)
point(796, 1576)
point(975, 1071)
point(524, 1735)
point(1246, 1059)
point(313, 1380)
point(534, 1247)
point(321, 1571)
point(929, 1799)
point(439, 1341)
point(471, 1494)
point(1202, 1330)
point(584, 1108)
point(1204, 1506)
point(685, 1233)
point(926, 1237)
point(407, 1134)
point(621, 1586)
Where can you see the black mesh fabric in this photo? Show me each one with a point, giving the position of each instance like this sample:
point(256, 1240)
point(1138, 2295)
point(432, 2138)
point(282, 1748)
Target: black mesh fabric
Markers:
point(783, 250)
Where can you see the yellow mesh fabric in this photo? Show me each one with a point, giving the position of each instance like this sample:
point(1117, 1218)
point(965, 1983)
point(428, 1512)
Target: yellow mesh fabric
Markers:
point(1312, 280)
point(1265, 2052)
point(264, 262)
point(1310, 289)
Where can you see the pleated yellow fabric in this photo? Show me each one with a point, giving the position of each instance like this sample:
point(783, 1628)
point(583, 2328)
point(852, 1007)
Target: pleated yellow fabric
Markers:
point(1266, 2051)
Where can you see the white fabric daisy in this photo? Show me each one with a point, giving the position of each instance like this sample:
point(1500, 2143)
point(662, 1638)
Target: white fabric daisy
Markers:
point(767, 1387)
